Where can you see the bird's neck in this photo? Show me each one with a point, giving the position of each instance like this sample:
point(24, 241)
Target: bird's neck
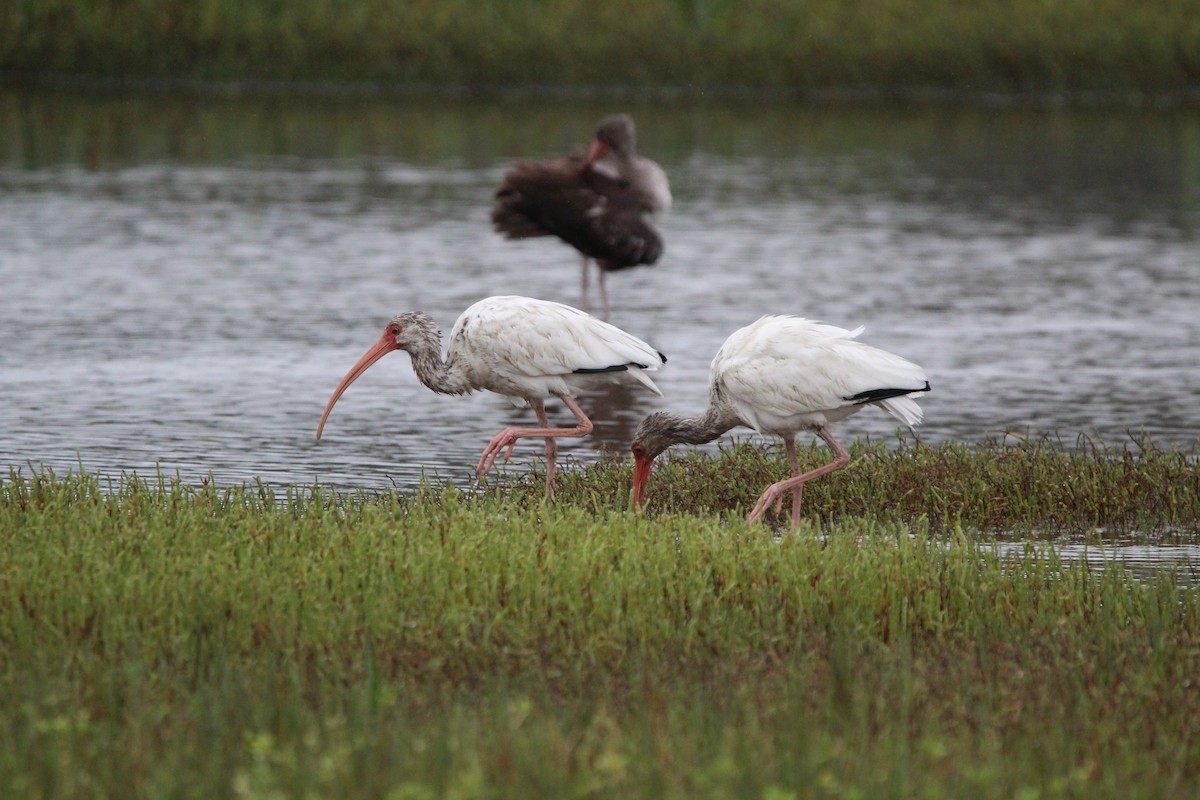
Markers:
point(715, 421)
point(443, 377)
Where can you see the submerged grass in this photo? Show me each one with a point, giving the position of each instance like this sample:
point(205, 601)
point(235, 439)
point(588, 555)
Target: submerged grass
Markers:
point(165, 640)
point(1010, 45)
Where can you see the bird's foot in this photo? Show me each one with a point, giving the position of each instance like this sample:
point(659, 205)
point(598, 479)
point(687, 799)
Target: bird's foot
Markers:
point(505, 438)
point(764, 502)
point(772, 496)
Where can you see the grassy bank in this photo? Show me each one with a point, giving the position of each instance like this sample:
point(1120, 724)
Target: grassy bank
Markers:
point(1011, 484)
point(1013, 45)
point(165, 640)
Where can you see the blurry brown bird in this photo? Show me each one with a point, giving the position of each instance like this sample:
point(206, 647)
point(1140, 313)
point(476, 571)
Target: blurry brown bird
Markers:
point(603, 201)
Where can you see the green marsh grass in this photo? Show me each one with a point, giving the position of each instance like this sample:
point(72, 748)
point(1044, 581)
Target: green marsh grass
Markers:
point(1015, 483)
point(693, 45)
point(159, 639)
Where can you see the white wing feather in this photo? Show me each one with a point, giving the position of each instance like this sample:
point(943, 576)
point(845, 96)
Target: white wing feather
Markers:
point(787, 373)
point(526, 342)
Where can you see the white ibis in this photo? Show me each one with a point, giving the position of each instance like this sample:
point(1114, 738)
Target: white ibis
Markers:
point(524, 349)
point(602, 201)
point(782, 375)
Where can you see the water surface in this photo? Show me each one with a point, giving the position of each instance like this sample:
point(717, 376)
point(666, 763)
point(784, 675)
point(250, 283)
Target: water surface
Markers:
point(183, 282)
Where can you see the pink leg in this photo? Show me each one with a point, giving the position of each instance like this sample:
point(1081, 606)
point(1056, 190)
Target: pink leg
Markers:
point(798, 492)
point(603, 291)
point(583, 285)
point(775, 492)
point(551, 449)
point(508, 437)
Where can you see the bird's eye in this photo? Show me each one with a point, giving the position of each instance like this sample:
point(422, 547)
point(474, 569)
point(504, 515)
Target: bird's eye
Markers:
point(638, 450)
point(396, 330)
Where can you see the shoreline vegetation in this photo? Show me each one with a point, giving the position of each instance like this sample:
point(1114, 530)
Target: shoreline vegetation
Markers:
point(161, 639)
point(1017, 484)
point(1078, 51)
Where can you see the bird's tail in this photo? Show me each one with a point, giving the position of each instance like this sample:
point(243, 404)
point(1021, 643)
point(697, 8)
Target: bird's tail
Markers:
point(644, 379)
point(903, 408)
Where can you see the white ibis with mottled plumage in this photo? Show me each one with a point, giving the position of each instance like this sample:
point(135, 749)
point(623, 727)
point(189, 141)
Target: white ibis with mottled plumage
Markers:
point(783, 375)
point(603, 202)
point(522, 348)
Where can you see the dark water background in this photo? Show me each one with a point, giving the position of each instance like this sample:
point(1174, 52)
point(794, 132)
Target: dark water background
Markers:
point(184, 281)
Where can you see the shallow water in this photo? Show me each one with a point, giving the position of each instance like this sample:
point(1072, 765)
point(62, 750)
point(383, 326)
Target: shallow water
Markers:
point(1141, 557)
point(183, 282)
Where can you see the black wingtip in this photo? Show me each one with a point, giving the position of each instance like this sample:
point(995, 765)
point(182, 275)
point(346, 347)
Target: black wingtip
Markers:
point(875, 395)
point(615, 367)
point(597, 370)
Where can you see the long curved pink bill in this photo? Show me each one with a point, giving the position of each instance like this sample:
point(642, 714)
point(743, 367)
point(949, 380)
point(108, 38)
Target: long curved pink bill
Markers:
point(385, 345)
point(595, 150)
